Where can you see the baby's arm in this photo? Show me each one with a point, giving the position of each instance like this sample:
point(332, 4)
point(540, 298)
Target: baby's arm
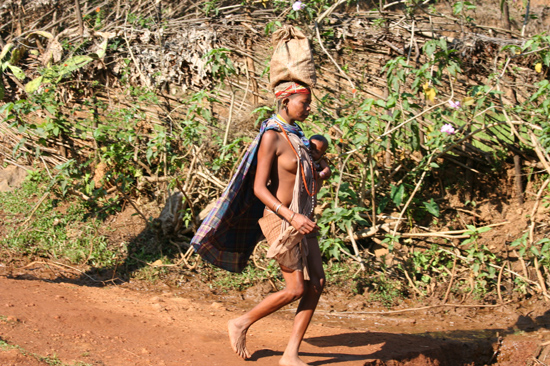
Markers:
point(325, 172)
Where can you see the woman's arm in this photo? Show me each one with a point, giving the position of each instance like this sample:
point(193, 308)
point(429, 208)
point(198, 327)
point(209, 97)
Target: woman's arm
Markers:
point(267, 153)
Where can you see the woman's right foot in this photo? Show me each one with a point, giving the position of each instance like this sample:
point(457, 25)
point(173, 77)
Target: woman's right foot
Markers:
point(291, 361)
point(237, 337)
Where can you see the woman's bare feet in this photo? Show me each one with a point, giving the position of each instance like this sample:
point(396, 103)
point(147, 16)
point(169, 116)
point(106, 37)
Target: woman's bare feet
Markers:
point(237, 337)
point(291, 361)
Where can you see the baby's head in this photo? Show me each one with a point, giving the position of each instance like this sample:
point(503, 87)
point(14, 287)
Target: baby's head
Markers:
point(318, 146)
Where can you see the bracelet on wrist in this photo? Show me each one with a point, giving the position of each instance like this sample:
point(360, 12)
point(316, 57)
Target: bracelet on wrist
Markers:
point(278, 207)
point(292, 217)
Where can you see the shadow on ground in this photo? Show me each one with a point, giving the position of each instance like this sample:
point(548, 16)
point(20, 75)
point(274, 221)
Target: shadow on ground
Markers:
point(449, 348)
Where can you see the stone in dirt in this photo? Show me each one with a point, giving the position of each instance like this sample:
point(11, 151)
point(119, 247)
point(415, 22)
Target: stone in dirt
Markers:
point(11, 177)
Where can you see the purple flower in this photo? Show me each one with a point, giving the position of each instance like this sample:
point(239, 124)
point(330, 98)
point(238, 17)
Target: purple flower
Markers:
point(454, 105)
point(298, 5)
point(448, 129)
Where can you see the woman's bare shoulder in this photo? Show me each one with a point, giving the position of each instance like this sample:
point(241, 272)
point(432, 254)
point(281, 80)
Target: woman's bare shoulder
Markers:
point(270, 136)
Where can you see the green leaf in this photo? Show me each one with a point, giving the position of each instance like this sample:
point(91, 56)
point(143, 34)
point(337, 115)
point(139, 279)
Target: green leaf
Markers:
point(19, 144)
point(102, 49)
point(397, 194)
point(432, 207)
point(335, 252)
point(429, 47)
point(33, 85)
point(6, 107)
point(520, 241)
point(469, 5)
point(382, 204)
point(380, 103)
point(5, 50)
point(467, 241)
point(443, 44)
point(391, 102)
point(74, 63)
point(41, 33)
point(483, 229)
point(17, 72)
point(17, 54)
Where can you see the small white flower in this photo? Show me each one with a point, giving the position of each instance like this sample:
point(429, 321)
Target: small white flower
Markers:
point(455, 105)
point(298, 5)
point(448, 129)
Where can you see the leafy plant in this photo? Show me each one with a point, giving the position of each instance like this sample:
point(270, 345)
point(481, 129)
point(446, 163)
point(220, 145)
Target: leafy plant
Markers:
point(66, 236)
point(9, 56)
point(220, 64)
point(539, 249)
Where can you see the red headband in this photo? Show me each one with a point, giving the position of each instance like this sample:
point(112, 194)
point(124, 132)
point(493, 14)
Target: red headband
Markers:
point(293, 88)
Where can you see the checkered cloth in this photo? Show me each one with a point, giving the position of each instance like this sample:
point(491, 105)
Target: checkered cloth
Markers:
point(230, 232)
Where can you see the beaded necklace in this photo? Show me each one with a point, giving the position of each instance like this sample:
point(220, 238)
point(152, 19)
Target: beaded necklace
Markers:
point(313, 194)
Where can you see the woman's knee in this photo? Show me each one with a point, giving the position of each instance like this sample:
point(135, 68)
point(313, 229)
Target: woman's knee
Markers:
point(295, 292)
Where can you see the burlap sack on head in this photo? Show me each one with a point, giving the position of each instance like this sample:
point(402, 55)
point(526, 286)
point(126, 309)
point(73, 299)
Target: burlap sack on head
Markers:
point(292, 58)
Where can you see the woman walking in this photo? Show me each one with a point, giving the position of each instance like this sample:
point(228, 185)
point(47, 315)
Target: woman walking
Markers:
point(276, 184)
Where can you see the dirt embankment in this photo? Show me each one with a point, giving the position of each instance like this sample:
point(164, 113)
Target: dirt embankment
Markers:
point(43, 321)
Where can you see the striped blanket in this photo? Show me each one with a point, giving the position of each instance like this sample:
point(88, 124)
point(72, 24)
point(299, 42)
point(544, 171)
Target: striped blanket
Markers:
point(230, 232)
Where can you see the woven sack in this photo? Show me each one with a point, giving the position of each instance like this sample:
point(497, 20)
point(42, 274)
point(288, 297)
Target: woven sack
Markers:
point(292, 58)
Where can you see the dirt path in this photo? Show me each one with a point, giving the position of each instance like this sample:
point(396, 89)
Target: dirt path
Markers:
point(118, 326)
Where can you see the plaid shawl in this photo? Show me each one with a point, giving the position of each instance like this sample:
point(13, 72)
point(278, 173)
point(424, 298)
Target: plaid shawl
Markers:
point(230, 232)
